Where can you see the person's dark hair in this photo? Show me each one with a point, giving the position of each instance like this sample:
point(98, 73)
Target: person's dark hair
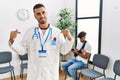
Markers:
point(38, 6)
point(82, 34)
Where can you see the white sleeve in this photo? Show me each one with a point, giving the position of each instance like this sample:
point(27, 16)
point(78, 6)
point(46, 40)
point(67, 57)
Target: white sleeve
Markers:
point(66, 45)
point(19, 48)
point(88, 48)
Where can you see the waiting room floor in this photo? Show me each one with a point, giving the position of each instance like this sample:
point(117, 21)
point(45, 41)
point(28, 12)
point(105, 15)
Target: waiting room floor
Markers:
point(61, 77)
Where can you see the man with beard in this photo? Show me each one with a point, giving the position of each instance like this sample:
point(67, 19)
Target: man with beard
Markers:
point(43, 43)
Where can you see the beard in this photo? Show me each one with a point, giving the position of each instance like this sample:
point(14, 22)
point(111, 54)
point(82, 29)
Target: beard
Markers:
point(42, 21)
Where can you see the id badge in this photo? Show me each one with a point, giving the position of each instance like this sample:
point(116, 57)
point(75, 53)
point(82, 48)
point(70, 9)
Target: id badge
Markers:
point(42, 53)
point(53, 43)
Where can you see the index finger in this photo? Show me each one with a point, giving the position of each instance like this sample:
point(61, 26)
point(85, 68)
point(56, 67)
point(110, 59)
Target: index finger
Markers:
point(17, 31)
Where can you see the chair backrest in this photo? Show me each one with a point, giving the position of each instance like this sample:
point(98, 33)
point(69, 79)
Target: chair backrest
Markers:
point(100, 61)
point(5, 57)
point(116, 67)
point(23, 57)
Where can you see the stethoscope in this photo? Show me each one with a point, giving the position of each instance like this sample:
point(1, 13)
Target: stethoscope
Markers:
point(37, 35)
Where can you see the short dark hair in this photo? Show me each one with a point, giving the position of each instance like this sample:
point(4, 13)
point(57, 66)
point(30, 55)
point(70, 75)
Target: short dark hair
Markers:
point(38, 6)
point(82, 34)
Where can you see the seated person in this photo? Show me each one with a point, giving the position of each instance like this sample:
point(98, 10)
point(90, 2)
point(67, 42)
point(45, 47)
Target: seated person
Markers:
point(81, 53)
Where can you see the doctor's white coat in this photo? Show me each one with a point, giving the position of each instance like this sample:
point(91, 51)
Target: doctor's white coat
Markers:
point(43, 68)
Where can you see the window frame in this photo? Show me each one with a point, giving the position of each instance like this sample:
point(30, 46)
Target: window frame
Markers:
point(91, 17)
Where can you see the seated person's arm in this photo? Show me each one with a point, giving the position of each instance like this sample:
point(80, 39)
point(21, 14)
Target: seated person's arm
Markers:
point(85, 55)
point(75, 51)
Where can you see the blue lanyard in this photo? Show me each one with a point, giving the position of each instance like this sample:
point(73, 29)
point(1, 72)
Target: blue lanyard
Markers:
point(49, 33)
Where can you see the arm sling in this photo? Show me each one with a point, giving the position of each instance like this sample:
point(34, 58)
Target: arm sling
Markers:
point(80, 49)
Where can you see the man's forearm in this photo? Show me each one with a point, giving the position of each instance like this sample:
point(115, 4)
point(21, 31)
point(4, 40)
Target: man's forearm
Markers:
point(70, 37)
point(11, 41)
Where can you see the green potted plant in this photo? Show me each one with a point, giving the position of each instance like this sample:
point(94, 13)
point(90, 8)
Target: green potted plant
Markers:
point(65, 22)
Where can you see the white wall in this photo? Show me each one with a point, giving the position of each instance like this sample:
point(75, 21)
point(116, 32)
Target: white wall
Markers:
point(111, 32)
point(9, 21)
